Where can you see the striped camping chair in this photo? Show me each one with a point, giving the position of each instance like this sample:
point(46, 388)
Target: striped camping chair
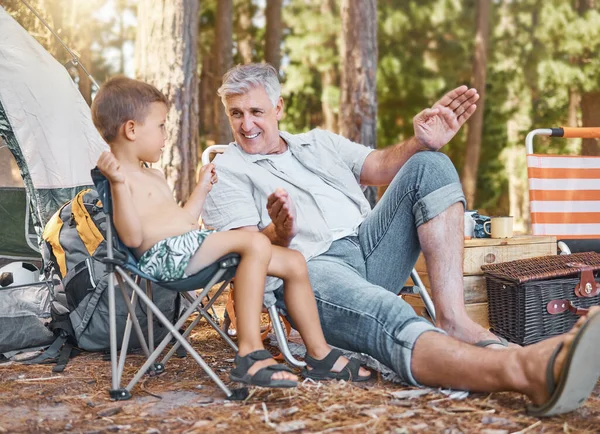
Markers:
point(564, 192)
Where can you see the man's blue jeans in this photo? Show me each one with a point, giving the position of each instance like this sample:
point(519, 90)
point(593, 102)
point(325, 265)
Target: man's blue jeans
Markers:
point(356, 280)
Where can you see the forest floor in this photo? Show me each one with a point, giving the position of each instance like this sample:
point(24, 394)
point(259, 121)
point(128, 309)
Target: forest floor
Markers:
point(183, 399)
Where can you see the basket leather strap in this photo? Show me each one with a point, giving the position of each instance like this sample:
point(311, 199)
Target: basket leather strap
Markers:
point(587, 286)
point(559, 306)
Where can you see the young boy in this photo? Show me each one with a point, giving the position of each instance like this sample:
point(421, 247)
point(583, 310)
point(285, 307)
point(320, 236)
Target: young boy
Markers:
point(130, 115)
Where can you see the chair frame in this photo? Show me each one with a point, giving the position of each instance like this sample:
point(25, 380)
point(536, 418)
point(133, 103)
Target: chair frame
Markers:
point(122, 271)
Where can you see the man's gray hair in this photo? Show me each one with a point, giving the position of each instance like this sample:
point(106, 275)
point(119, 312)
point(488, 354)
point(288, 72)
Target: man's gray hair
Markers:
point(242, 78)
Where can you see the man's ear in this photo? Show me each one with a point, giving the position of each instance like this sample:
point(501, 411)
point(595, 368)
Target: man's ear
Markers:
point(129, 130)
point(279, 109)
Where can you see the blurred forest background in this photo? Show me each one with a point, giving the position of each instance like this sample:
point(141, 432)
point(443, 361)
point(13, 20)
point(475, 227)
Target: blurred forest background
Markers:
point(362, 68)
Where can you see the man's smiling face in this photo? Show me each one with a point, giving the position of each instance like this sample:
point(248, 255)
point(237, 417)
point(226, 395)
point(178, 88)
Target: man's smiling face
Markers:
point(254, 121)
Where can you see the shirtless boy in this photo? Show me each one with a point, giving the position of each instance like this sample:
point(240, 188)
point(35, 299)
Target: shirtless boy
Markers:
point(169, 244)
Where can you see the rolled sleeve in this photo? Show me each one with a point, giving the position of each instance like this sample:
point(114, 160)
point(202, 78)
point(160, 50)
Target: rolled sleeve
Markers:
point(352, 154)
point(230, 204)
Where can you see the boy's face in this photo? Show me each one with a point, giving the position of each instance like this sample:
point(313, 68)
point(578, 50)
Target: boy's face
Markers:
point(151, 135)
point(254, 120)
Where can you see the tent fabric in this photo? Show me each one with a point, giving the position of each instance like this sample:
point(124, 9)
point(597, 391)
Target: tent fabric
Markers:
point(50, 119)
point(47, 126)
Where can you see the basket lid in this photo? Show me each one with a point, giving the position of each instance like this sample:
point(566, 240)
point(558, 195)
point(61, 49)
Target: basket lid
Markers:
point(545, 267)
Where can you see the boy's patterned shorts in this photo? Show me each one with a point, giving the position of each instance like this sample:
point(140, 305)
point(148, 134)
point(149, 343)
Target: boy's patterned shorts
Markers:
point(167, 260)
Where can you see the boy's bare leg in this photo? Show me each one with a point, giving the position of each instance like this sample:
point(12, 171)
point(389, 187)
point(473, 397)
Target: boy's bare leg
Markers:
point(440, 360)
point(255, 252)
point(300, 303)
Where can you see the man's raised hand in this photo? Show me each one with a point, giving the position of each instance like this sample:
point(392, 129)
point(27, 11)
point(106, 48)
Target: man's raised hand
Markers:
point(436, 126)
point(110, 167)
point(282, 211)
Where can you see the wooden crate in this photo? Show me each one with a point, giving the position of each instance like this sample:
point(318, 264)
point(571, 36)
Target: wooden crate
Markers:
point(481, 251)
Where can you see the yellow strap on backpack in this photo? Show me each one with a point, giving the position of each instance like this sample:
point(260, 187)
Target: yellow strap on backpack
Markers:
point(86, 229)
point(51, 236)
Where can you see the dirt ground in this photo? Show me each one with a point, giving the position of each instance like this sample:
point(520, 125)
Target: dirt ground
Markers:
point(183, 399)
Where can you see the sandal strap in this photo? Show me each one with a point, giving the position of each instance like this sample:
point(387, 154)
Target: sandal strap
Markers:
point(550, 369)
point(352, 368)
point(243, 363)
point(263, 377)
point(325, 364)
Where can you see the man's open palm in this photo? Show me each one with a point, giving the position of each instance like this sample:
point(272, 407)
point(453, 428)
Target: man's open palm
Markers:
point(436, 126)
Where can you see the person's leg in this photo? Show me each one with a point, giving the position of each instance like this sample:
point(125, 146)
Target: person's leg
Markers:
point(290, 266)
point(423, 209)
point(359, 316)
point(255, 253)
point(440, 360)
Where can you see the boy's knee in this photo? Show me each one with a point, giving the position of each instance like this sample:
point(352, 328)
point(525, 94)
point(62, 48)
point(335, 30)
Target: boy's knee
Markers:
point(259, 244)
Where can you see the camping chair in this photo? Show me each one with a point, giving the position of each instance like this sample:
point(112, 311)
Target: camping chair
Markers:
point(564, 193)
point(121, 264)
point(418, 288)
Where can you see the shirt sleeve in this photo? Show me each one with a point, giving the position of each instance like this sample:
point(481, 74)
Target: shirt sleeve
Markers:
point(352, 153)
point(230, 204)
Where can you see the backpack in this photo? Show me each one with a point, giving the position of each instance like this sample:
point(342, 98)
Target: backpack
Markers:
point(74, 241)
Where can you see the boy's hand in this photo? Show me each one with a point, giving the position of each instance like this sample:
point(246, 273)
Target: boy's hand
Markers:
point(111, 168)
point(207, 177)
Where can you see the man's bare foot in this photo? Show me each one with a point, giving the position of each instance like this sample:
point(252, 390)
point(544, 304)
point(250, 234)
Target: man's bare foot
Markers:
point(467, 330)
point(534, 360)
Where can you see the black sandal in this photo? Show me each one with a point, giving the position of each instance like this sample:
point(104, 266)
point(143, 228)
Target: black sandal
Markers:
point(321, 369)
point(263, 376)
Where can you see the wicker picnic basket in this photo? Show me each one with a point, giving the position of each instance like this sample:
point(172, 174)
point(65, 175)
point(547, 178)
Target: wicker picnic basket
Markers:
point(533, 299)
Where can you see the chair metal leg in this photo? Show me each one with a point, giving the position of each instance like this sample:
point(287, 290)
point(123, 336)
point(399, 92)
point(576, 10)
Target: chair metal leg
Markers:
point(173, 331)
point(424, 294)
point(282, 340)
point(132, 315)
point(150, 318)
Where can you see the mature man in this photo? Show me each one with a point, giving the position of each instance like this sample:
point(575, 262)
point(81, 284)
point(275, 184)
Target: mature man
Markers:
point(304, 191)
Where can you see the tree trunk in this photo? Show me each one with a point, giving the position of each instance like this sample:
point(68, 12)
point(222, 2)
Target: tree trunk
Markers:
point(329, 77)
point(590, 117)
point(167, 57)
point(358, 105)
point(574, 100)
point(473, 150)
point(85, 84)
point(245, 42)
point(224, 61)
point(206, 89)
point(590, 101)
point(273, 33)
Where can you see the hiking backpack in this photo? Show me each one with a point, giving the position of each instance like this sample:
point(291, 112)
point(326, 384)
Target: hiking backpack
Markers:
point(74, 241)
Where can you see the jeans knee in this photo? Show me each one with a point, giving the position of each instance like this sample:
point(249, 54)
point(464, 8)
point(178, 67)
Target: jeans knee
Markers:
point(434, 169)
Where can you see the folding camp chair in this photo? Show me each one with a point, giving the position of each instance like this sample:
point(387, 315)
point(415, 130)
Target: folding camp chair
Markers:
point(121, 264)
point(418, 288)
point(564, 193)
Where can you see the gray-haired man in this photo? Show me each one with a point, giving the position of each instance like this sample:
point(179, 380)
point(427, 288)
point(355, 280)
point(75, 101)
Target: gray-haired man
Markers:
point(303, 191)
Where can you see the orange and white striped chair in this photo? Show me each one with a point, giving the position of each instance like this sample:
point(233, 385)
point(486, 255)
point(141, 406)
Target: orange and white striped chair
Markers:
point(564, 191)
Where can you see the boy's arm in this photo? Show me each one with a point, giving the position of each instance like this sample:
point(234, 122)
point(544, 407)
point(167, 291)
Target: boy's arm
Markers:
point(206, 179)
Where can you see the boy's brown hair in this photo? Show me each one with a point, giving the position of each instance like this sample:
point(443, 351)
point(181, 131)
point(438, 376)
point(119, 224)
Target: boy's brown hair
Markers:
point(121, 99)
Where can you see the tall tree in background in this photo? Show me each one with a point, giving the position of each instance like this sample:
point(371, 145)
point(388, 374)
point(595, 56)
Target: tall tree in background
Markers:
point(167, 56)
point(224, 61)
point(329, 74)
point(244, 11)
point(475, 126)
point(590, 98)
point(273, 34)
point(358, 114)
